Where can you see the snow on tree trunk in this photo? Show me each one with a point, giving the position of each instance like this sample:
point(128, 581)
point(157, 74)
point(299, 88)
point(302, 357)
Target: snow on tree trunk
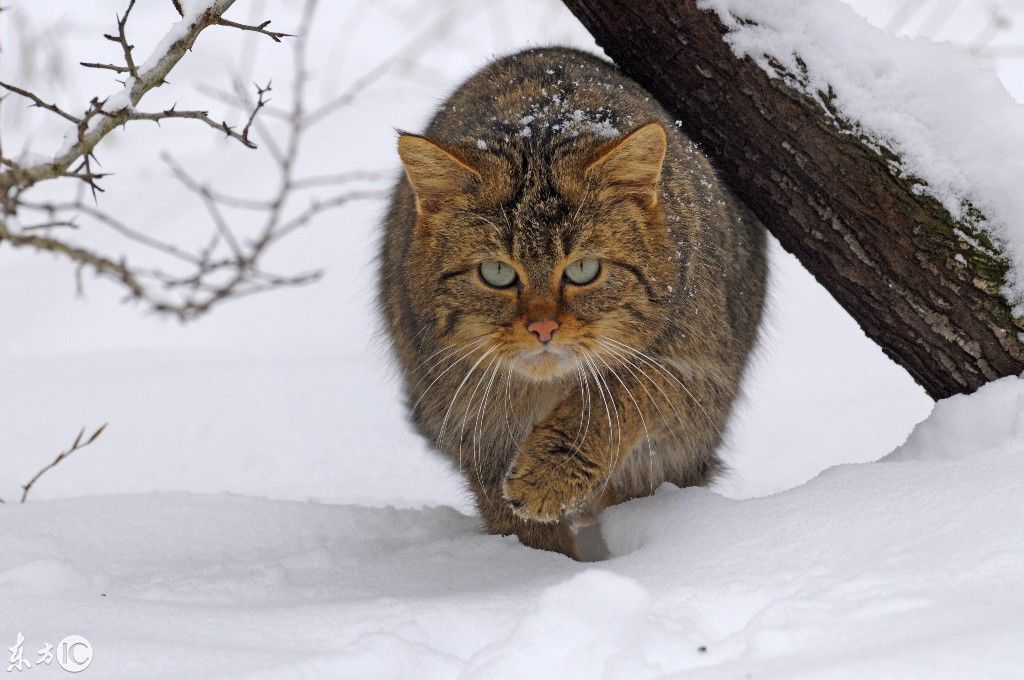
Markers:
point(929, 287)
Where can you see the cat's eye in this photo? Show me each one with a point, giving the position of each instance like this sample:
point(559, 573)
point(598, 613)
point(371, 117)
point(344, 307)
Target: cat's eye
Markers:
point(583, 271)
point(497, 274)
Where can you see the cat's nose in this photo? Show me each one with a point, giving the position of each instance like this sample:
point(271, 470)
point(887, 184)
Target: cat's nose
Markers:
point(543, 329)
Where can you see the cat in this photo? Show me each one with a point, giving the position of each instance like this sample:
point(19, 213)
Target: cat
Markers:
point(571, 292)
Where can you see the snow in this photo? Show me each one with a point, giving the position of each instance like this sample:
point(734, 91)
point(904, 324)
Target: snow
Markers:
point(122, 99)
point(968, 425)
point(944, 112)
point(191, 9)
point(905, 568)
point(258, 508)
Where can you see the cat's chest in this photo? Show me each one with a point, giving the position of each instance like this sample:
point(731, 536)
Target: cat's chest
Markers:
point(536, 401)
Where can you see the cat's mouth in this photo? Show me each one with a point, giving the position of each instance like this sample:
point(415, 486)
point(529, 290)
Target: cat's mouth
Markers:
point(545, 363)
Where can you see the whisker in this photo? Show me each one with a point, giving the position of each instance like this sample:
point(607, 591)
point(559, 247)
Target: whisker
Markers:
point(478, 430)
point(600, 391)
point(420, 364)
point(442, 374)
point(602, 388)
point(578, 439)
point(633, 368)
point(630, 365)
point(508, 402)
point(659, 367)
point(469, 407)
point(448, 412)
point(452, 350)
point(629, 393)
point(419, 333)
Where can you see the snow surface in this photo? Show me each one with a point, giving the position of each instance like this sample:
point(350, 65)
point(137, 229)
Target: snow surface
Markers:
point(908, 568)
point(944, 112)
point(257, 507)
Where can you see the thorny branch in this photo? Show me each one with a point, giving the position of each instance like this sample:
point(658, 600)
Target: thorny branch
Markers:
point(122, 39)
point(261, 28)
point(228, 265)
point(77, 445)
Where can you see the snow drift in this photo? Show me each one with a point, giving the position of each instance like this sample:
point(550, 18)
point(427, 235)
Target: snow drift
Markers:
point(909, 567)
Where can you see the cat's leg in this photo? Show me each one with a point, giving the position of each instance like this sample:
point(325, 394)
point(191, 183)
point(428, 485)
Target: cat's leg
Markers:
point(570, 455)
point(558, 467)
point(499, 519)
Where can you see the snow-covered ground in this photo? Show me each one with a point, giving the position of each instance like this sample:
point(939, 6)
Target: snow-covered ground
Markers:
point(906, 568)
point(258, 507)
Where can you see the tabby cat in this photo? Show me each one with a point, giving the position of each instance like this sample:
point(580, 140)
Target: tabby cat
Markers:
point(570, 290)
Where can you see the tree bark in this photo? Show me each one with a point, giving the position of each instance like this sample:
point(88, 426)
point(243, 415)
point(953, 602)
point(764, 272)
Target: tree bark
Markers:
point(928, 288)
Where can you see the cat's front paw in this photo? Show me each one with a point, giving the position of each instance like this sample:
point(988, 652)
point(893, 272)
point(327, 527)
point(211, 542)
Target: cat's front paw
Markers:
point(549, 476)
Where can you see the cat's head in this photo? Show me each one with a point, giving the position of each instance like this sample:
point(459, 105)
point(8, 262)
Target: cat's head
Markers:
point(552, 257)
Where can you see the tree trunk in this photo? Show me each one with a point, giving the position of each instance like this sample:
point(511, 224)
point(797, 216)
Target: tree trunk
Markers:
point(925, 286)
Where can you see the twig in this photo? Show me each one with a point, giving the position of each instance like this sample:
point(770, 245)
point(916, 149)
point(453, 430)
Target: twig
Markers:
point(261, 101)
point(37, 102)
point(428, 34)
point(260, 28)
point(203, 117)
point(227, 263)
point(50, 225)
point(221, 198)
point(342, 178)
point(107, 67)
point(89, 135)
point(77, 445)
point(103, 266)
point(122, 39)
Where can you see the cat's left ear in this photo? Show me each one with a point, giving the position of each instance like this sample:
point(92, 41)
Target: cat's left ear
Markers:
point(632, 165)
point(435, 173)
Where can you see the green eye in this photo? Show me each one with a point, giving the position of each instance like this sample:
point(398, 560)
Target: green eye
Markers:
point(582, 272)
point(497, 274)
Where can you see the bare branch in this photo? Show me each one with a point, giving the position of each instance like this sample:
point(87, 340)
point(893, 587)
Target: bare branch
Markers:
point(77, 445)
point(103, 266)
point(39, 103)
point(50, 225)
point(239, 100)
point(318, 206)
point(226, 264)
point(202, 116)
point(261, 101)
point(260, 28)
point(342, 178)
point(429, 34)
point(221, 198)
point(116, 225)
point(107, 67)
point(122, 39)
point(91, 128)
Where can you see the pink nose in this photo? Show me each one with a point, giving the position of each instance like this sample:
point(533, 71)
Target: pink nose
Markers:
point(543, 329)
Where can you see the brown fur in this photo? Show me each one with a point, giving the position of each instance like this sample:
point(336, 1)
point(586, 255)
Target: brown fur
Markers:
point(539, 159)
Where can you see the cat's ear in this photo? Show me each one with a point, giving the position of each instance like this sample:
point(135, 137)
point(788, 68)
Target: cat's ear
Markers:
point(435, 173)
point(632, 165)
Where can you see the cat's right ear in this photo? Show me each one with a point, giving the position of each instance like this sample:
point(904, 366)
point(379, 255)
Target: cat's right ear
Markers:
point(435, 173)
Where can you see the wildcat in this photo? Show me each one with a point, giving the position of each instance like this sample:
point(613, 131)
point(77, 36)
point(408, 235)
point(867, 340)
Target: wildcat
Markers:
point(570, 290)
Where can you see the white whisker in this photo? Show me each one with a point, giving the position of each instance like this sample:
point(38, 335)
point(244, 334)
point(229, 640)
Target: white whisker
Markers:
point(659, 367)
point(444, 372)
point(448, 412)
point(630, 365)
